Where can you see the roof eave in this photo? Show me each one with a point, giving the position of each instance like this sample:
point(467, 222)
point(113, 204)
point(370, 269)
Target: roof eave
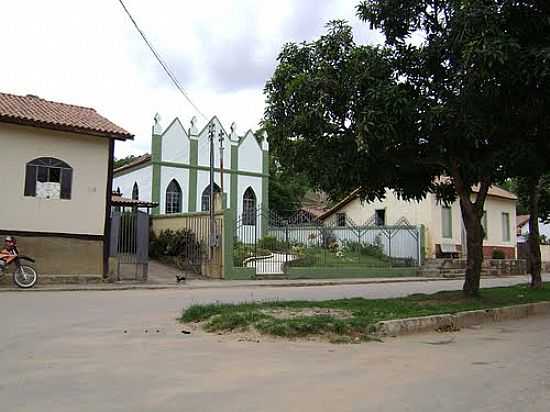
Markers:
point(62, 128)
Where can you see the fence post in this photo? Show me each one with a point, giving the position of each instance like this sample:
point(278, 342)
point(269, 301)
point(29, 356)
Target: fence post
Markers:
point(389, 245)
point(228, 239)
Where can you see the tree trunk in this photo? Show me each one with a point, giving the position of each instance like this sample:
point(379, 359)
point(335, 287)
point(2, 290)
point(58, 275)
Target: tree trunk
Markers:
point(533, 241)
point(474, 242)
point(471, 216)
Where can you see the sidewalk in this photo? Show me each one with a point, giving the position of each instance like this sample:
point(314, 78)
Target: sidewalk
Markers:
point(224, 284)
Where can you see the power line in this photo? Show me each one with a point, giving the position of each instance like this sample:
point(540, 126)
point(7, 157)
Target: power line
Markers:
point(161, 61)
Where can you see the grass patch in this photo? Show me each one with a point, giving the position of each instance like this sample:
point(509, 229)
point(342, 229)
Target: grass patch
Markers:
point(361, 314)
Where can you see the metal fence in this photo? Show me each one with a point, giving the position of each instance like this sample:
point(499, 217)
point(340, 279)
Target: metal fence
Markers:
point(130, 244)
point(188, 238)
point(301, 240)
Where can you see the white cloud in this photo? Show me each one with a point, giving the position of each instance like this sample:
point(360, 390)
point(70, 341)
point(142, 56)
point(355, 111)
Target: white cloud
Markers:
point(88, 53)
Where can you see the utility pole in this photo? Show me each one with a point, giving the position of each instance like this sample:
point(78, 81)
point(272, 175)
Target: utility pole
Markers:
point(212, 232)
point(220, 139)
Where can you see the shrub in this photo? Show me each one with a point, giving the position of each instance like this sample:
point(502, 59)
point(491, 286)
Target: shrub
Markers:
point(365, 249)
point(498, 254)
point(269, 242)
point(179, 243)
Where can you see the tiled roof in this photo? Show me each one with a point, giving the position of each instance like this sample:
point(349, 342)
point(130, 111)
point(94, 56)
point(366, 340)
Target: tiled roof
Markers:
point(31, 110)
point(118, 200)
point(136, 162)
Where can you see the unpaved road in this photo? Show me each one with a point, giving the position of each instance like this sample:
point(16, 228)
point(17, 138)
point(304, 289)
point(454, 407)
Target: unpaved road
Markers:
point(68, 351)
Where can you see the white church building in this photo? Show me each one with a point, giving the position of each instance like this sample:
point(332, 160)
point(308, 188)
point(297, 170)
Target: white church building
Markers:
point(176, 174)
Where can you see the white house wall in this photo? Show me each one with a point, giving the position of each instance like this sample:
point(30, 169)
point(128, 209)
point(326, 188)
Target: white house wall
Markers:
point(361, 212)
point(167, 174)
point(84, 213)
point(175, 144)
point(250, 154)
point(143, 177)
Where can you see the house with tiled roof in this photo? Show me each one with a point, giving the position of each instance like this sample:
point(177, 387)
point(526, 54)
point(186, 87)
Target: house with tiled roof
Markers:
point(56, 175)
point(444, 233)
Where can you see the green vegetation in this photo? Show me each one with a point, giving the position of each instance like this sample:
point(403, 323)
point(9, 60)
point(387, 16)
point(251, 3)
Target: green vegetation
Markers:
point(313, 256)
point(241, 252)
point(339, 320)
point(498, 254)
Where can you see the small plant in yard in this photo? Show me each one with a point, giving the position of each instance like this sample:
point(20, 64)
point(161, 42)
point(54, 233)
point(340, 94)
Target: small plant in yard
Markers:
point(498, 254)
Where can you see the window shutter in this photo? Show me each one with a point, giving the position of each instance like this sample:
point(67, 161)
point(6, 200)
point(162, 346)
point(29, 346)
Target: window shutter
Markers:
point(30, 180)
point(66, 183)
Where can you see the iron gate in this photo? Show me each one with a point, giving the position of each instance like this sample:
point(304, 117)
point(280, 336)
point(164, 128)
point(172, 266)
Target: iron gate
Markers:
point(272, 244)
point(129, 244)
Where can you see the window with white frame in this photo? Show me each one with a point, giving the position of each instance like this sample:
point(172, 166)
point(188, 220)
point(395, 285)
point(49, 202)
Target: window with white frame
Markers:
point(341, 219)
point(446, 222)
point(249, 207)
point(48, 178)
point(173, 198)
point(506, 227)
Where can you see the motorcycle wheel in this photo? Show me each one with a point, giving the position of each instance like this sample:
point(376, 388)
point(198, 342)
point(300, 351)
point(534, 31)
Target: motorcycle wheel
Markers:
point(25, 276)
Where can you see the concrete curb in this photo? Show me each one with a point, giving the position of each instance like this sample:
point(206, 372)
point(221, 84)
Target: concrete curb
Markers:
point(460, 320)
point(228, 285)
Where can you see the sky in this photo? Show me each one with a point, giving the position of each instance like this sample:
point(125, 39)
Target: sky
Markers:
point(222, 51)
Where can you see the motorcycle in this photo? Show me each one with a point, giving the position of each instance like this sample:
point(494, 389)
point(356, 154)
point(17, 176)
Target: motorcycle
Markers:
point(24, 276)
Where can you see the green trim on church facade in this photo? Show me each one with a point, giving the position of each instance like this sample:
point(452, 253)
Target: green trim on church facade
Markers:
point(156, 157)
point(193, 174)
point(234, 178)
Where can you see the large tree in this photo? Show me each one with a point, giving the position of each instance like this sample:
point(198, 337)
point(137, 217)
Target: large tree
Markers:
point(526, 80)
point(399, 117)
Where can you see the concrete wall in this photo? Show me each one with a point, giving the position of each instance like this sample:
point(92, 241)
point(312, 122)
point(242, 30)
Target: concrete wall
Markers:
point(545, 253)
point(84, 213)
point(63, 255)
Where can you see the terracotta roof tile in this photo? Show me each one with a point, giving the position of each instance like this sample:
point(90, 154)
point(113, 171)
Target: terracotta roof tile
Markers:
point(135, 162)
point(33, 111)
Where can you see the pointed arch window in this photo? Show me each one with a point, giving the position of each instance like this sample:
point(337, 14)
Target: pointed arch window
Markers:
point(135, 192)
point(173, 198)
point(205, 198)
point(249, 207)
point(48, 178)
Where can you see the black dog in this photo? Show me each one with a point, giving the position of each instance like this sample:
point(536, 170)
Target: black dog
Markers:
point(181, 279)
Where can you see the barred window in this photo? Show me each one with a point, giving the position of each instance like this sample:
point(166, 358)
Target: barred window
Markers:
point(205, 198)
point(173, 198)
point(48, 178)
point(249, 207)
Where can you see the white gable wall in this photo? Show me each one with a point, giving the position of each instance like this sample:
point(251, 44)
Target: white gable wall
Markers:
point(143, 177)
point(175, 144)
point(250, 154)
point(204, 148)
